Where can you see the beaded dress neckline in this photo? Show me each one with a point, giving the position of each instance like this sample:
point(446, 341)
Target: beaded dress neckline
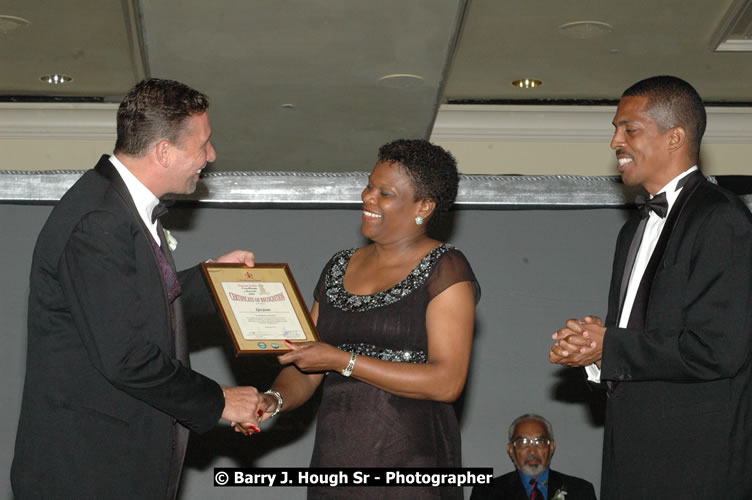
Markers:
point(346, 301)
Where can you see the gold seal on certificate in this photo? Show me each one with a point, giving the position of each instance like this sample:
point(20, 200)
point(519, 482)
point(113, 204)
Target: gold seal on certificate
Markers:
point(262, 306)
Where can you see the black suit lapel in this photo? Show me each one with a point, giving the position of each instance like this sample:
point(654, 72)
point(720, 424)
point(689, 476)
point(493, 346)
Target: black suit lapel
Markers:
point(517, 487)
point(625, 258)
point(639, 308)
point(106, 169)
point(554, 483)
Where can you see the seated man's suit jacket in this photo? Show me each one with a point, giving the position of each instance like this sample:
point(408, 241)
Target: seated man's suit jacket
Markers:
point(509, 487)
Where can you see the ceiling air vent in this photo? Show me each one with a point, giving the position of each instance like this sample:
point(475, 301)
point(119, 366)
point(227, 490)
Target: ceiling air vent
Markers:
point(735, 33)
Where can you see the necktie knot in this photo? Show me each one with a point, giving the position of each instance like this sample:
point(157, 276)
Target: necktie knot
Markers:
point(657, 204)
point(160, 210)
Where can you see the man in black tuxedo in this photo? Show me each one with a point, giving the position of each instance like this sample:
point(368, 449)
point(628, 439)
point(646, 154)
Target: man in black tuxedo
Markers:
point(109, 395)
point(531, 447)
point(676, 349)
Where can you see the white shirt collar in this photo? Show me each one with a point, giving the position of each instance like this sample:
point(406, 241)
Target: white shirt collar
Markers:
point(144, 199)
point(670, 189)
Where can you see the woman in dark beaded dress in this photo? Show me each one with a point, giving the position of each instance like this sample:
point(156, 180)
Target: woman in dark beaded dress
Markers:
point(396, 322)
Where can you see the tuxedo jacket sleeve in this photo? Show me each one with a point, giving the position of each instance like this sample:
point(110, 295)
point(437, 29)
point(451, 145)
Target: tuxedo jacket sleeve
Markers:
point(698, 325)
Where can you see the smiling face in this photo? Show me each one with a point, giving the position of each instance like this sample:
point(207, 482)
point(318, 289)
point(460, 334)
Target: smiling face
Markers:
point(642, 148)
point(389, 206)
point(191, 153)
point(531, 460)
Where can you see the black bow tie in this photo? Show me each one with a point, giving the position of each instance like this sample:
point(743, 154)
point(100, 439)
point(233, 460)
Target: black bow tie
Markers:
point(658, 204)
point(160, 210)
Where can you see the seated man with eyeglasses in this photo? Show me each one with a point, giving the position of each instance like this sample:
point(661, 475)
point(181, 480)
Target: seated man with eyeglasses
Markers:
point(531, 447)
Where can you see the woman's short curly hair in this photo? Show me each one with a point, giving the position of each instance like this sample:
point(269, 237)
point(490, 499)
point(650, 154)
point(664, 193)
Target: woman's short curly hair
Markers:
point(432, 169)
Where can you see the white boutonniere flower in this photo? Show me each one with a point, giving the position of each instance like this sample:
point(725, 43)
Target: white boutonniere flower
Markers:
point(171, 241)
point(560, 494)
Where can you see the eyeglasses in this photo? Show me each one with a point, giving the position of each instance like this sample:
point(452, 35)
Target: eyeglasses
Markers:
point(523, 442)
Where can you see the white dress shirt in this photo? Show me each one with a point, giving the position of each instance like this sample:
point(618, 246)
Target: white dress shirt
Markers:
point(653, 229)
point(144, 199)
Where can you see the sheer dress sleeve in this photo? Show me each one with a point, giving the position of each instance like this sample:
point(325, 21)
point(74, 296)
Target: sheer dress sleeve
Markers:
point(451, 268)
point(320, 286)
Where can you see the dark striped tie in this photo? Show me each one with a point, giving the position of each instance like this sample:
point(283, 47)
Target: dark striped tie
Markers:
point(535, 493)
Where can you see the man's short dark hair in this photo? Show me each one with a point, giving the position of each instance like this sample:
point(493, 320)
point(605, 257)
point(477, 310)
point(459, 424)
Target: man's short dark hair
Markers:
point(536, 418)
point(432, 169)
point(155, 110)
point(672, 102)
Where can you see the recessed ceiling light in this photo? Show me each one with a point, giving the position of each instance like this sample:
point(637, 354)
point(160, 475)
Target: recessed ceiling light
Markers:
point(401, 80)
point(12, 23)
point(527, 83)
point(585, 29)
point(56, 79)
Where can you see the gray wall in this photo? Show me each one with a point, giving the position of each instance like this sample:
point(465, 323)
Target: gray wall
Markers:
point(536, 268)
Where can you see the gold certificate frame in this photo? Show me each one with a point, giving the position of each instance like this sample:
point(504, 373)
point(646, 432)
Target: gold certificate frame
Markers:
point(261, 306)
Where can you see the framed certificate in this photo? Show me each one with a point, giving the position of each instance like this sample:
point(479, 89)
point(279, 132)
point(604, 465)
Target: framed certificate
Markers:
point(262, 306)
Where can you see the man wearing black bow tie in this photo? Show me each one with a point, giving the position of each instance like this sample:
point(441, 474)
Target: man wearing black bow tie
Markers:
point(675, 351)
point(109, 395)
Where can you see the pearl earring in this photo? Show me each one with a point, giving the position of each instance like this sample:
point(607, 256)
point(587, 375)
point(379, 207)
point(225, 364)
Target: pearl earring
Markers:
point(419, 220)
